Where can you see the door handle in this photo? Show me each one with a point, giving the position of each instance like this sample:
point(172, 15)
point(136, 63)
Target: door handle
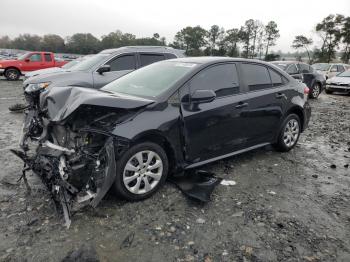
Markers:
point(280, 95)
point(241, 105)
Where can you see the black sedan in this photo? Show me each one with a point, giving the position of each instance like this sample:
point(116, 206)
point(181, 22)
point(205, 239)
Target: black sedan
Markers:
point(306, 74)
point(160, 119)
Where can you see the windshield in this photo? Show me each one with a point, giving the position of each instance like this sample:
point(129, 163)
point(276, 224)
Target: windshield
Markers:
point(152, 80)
point(344, 74)
point(89, 62)
point(321, 67)
point(22, 57)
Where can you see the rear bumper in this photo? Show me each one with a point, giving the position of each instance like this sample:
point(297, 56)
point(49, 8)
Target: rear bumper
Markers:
point(307, 115)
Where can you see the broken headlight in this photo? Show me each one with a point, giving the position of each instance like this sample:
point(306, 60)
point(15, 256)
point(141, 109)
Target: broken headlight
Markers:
point(35, 87)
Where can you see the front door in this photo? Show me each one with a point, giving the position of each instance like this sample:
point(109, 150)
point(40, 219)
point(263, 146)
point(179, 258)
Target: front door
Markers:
point(215, 128)
point(32, 62)
point(120, 65)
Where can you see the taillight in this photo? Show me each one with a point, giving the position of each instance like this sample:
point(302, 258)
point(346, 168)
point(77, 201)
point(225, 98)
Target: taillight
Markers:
point(306, 90)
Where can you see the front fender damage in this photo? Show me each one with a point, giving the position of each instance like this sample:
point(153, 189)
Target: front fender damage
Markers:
point(75, 177)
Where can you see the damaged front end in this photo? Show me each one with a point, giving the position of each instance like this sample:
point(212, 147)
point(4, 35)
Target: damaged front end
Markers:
point(75, 156)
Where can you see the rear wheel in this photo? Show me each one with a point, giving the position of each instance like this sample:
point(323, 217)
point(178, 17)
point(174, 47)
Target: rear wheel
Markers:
point(141, 171)
point(315, 91)
point(12, 74)
point(289, 133)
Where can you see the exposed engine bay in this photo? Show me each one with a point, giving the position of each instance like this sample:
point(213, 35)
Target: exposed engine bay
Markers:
point(74, 157)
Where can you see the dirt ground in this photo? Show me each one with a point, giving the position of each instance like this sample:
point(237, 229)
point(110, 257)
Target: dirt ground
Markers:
point(285, 207)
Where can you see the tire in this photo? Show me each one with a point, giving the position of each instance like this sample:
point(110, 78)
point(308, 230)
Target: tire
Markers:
point(328, 91)
point(129, 172)
point(282, 145)
point(12, 74)
point(315, 91)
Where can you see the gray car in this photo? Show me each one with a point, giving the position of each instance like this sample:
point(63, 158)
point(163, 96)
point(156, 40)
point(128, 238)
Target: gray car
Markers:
point(105, 67)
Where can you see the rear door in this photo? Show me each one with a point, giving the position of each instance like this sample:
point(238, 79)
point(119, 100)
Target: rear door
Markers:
point(35, 62)
point(216, 128)
point(120, 65)
point(266, 98)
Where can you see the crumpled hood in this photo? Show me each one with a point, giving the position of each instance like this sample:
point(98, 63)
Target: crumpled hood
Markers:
point(63, 101)
point(63, 78)
point(44, 71)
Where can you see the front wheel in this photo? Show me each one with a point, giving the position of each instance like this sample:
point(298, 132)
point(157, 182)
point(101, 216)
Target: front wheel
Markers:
point(12, 74)
point(289, 133)
point(141, 171)
point(315, 91)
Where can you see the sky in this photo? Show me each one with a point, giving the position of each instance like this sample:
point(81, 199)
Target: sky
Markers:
point(143, 18)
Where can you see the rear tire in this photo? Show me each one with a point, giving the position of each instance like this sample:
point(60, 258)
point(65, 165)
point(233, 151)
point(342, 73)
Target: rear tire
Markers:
point(289, 133)
point(315, 91)
point(12, 74)
point(136, 181)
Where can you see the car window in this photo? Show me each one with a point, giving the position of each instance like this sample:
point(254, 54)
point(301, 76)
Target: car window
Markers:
point(276, 78)
point(35, 58)
point(341, 68)
point(304, 68)
point(334, 68)
point(256, 76)
point(48, 58)
point(222, 79)
point(292, 69)
point(125, 62)
point(147, 59)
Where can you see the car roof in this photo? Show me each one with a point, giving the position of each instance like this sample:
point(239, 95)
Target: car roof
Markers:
point(214, 59)
point(288, 62)
point(161, 49)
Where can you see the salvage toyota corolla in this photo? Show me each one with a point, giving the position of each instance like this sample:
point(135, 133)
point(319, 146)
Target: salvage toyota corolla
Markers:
point(164, 118)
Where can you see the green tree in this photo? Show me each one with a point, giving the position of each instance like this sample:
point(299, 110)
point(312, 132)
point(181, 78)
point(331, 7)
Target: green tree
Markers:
point(301, 41)
point(271, 35)
point(192, 39)
point(231, 41)
point(215, 36)
point(27, 42)
point(246, 34)
point(81, 43)
point(117, 39)
point(5, 42)
point(345, 34)
point(330, 32)
point(52, 43)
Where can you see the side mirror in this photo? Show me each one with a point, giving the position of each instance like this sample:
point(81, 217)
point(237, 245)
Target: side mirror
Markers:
point(27, 60)
point(104, 69)
point(203, 96)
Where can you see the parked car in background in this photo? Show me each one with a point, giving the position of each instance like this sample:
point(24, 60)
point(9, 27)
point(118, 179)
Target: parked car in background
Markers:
point(56, 69)
point(304, 73)
point(165, 117)
point(106, 66)
point(339, 83)
point(330, 70)
point(31, 61)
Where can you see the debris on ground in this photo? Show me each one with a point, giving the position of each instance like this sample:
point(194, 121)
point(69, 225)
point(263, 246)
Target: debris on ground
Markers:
point(85, 253)
point(225, 182)
point(198, 184)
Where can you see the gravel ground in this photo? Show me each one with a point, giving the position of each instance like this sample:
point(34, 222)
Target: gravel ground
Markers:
point(285, 207)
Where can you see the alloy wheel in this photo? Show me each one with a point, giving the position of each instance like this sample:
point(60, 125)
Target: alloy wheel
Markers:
point(316, 91)
point(291, 133)
point(142, 172)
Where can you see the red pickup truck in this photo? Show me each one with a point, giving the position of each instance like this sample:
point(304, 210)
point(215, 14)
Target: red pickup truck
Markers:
point(13, 69)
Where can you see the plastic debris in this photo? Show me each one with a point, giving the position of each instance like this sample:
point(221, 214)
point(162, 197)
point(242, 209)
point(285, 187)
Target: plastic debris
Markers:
point(228, 182)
